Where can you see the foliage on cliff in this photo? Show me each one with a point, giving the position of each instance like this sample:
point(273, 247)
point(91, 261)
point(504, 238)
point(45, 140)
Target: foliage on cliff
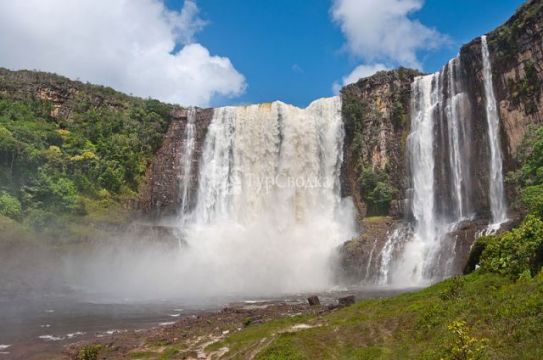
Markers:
point(519, 252)
point(374, 184)
point(528, 179)
point(75, 152)
point(506, 37)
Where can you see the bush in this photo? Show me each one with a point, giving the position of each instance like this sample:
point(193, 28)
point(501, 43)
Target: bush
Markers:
point(39, 220)
point(10, 206)
point(515, 252)
point(463, 346)
point(89, 352)
point(532, 198)
point(56, 192)
point(376, 191)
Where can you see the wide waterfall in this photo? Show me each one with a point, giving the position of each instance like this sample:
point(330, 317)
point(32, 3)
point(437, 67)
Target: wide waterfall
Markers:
point(496, 193)
point(268, 212)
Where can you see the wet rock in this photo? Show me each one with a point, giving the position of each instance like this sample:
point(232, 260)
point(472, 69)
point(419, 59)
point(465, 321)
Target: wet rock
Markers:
point(346, 300)
point(161, 194)
point(313, 301)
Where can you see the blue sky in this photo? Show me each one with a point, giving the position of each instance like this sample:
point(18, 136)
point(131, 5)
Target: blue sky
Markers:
point(225, 52)
point(291, 50)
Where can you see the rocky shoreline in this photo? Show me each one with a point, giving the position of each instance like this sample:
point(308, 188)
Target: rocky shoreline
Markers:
point(192, 335)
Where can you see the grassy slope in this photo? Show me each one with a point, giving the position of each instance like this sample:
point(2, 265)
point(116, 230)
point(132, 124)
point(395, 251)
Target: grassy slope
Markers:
point(503, 318)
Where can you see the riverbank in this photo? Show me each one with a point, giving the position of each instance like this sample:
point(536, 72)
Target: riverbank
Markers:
point(57, 327)
point(479, 316)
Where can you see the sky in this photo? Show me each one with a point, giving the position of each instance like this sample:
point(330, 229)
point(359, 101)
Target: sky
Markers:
point(216, 52)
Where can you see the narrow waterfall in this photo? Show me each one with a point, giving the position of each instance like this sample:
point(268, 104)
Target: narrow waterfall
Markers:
point(425, 241)
point(498, 205)
point(189, 145)
point(440, 173)
point(268, 213)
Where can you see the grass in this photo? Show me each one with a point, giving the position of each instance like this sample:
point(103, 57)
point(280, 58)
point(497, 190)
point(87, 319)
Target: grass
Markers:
point(479, 316)
point(377, 219)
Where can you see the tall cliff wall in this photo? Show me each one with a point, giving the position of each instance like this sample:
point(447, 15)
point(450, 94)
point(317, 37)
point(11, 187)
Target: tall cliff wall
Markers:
point(376, 116)
point(375, 141)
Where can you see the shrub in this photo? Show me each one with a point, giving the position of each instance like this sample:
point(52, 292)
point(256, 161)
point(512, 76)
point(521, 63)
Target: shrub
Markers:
point(89, 352)
point(39, 219)
point(515, 252)
point(376, 190)
point(10, 206)
point(463, 346)
point(532, 198)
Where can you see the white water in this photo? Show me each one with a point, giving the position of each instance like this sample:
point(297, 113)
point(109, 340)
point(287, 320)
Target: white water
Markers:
point(440, 191)
point(386, 260)
point(498, 205)
point(269, 213)
point(456, 132)
point(426, 249)
point(189, 145)
point(425, 240)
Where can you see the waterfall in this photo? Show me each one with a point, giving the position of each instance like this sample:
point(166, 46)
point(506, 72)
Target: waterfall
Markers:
point(440, 175)
point(498, 205)
point(457, 133)
point(189, 145)
point(425, 238)
point(441, 167)
point(268, 212)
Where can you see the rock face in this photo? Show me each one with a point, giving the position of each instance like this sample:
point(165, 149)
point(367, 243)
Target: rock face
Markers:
point(357, 257)
point(161, 194)
point(64, 95)
point(517, 55)
point(376, 115)
point(375, 139)
point(516, 51)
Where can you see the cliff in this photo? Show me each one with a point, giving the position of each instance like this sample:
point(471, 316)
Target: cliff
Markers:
point(161, 196)
point(517, 63)
point(74, 154)
point(376, 117)
point(376, 110)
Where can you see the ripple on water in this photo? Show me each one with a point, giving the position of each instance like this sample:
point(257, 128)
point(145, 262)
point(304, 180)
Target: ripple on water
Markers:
point(51, 338)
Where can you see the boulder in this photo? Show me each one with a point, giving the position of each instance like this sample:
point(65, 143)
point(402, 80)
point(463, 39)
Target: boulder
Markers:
point(313, 301)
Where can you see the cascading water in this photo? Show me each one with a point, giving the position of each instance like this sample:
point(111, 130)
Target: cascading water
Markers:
point(189, 145)
point(426, 233)
point(268, 213)
point(439, 162)
point(498, 205)
point(439, 151)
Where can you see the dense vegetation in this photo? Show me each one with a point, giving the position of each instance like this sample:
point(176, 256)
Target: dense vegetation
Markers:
point(519, 252)
point(84, 162)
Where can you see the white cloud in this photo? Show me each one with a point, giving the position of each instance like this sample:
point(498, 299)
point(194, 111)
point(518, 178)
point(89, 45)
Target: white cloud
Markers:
point(126, 44)
point(381, 30)
point(361, 71)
